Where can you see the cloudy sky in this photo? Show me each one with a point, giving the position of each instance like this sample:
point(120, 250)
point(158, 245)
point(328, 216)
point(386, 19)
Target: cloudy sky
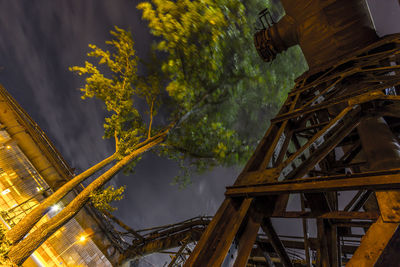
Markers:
point(40, 39)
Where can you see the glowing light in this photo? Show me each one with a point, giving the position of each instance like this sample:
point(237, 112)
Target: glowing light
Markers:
point(39, 189)
point(8, 146)
point(5, 192)
point(82, 238)
point(55, 208)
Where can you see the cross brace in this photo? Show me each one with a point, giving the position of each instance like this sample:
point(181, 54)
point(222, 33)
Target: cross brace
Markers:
point(316, 147)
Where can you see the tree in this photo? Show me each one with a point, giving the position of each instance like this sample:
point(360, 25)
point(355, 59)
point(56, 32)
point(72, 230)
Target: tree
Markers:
point(209, 51)
point(203, 85)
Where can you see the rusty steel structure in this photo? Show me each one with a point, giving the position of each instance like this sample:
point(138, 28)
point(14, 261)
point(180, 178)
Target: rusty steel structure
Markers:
point(179, 238)
point(162, 239)
point(333, 146)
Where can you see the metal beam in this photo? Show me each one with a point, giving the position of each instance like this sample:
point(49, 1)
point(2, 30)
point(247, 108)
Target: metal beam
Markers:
point(180, 251)
point(247, 239)
point(373, 243)
point(123, 225)
point(214, 244)
point(323, 184)
point(273, 237)
point(338, 215)
point(322, 251)
point(322, 151)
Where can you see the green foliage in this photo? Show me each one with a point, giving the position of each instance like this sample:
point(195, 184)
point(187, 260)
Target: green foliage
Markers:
point(205, 75)
point(118, 92)
point(214, 69)
point(101, 199)
point(197, 39)
point(192, 35)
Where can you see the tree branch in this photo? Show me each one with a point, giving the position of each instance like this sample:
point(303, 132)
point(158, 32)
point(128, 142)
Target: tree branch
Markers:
point(151, 118)
point(191, 153)
point(116, 141)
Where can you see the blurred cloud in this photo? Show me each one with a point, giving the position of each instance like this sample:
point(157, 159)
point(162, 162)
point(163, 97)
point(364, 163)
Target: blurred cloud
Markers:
point(40, 40)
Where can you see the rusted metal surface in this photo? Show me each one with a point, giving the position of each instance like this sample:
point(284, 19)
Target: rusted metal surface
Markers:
point(214, 249)
point(246, 239)
point(161, 238)
point(325, 30)
point(276, 242)
point(320, 144)
point(315, 147)
point(372, 181)
point(373, 244)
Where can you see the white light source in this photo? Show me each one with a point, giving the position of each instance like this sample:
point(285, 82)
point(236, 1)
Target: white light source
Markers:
point(55, 208)
point(5, 192)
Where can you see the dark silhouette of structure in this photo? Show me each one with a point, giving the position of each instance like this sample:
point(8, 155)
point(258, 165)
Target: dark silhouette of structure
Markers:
point(337, 131)
point(162, 238)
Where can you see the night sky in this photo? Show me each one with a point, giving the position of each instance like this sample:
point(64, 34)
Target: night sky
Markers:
point(39, 40)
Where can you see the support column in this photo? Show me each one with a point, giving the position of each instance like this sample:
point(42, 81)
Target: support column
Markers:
point(276, 243)
point(214, 244)
point(382, 152)
point(247, 239)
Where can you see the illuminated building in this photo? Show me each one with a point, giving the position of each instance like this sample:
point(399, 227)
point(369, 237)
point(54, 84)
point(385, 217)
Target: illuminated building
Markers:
point(30, 170)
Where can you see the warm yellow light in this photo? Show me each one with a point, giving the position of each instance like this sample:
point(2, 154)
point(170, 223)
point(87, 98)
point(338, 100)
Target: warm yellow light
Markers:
point(82, 238)
point(8, 147)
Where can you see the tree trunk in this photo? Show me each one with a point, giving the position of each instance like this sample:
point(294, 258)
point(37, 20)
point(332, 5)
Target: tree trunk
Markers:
point(15, 234)
point(21, 251)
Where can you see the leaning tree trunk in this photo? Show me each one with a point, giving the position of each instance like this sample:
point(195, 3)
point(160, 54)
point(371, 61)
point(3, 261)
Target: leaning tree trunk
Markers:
point(21, 251)
point(23, 227)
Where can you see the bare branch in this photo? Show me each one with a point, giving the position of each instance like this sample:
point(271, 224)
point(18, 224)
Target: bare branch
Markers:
point(151, 118)
point(116, 141)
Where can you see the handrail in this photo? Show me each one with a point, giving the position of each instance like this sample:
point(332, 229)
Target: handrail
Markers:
point(164, 227)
